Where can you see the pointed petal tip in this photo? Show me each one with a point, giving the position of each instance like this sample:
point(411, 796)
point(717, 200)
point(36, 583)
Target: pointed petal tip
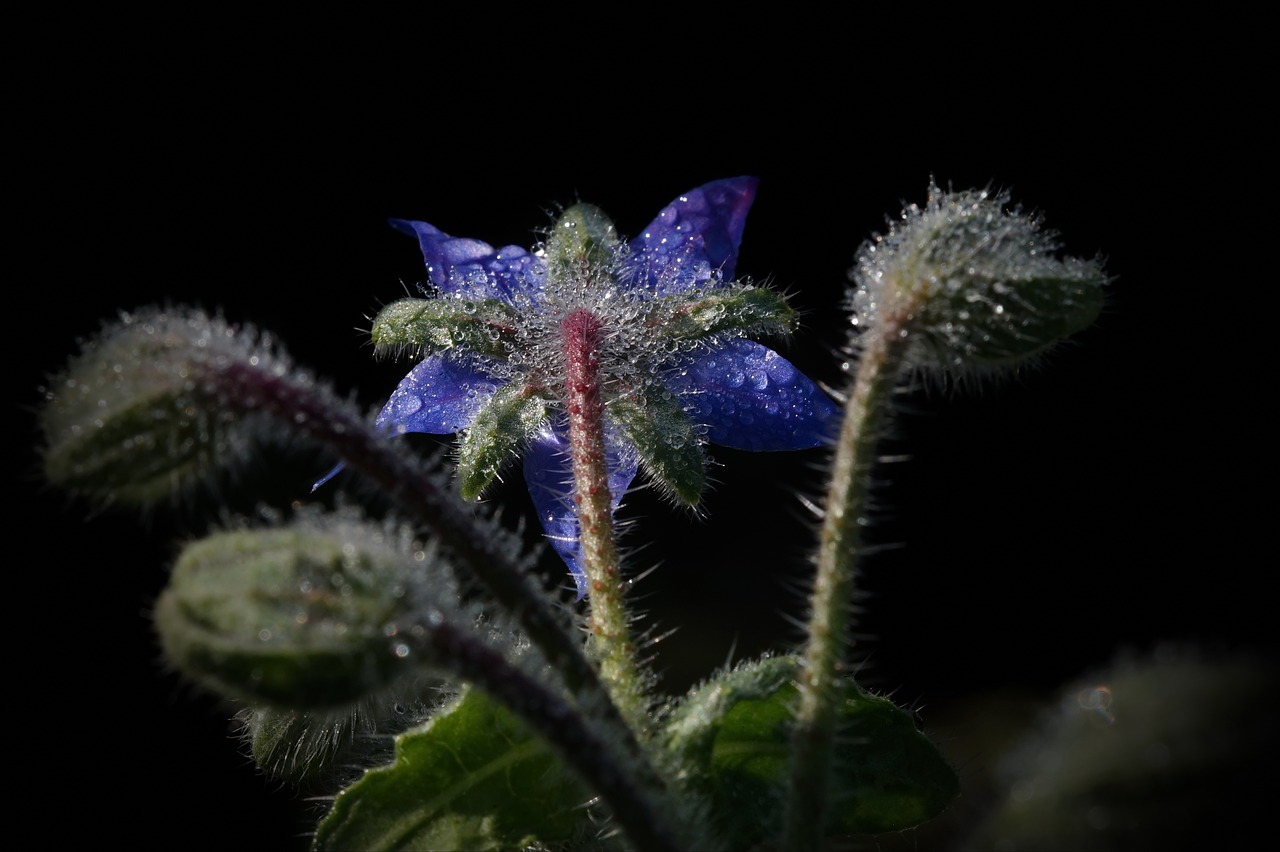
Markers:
point(330, 475)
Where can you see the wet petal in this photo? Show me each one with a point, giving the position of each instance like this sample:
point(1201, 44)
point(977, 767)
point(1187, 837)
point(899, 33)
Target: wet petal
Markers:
point(694, 239)
point(475, 268)
point(548, 472)
point(749, 397)
point(439, 396)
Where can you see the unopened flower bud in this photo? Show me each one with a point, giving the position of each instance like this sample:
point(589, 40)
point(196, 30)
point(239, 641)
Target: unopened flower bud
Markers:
point(317, 614)
point(975, 284)
point(136, 414)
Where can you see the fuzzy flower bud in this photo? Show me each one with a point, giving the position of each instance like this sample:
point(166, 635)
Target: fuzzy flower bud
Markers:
point(320, 613)
point(136, 413)
point(976, 284)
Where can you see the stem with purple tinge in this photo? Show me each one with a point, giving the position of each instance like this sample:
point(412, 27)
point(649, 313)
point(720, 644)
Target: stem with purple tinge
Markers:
point(611, 640)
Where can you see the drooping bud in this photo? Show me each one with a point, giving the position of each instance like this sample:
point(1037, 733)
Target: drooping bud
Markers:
point(974, 283)
point(136, 413)
point(320, 613)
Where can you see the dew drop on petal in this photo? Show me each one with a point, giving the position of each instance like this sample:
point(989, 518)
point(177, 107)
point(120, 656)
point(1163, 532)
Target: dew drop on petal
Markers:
point(779, 369)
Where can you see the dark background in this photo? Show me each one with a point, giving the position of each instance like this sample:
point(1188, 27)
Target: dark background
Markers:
point(1098, 502)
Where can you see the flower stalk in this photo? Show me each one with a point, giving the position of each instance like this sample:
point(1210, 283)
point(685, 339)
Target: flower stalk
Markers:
point(840, 544)
point(609, 623)
point(963, 286)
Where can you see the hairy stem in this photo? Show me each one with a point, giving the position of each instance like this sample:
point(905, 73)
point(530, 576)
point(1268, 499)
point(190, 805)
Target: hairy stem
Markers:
point(592, 756)
point(813, 737)
point(610, 628)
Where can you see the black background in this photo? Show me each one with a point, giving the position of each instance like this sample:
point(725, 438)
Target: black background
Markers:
point(1103, 500)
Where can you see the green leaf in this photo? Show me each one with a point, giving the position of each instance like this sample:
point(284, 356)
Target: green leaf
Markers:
point(502, 426)
point(662, 434)
point(733, 734)
point(484, 326)
point(474, 777)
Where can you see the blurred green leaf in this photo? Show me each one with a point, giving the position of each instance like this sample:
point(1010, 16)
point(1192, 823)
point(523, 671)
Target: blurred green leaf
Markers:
point(734, 732)
point(474, 777)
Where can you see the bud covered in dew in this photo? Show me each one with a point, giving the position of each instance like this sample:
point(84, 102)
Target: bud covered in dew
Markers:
point(974, 283)
point(321, 613)
point(136, 414)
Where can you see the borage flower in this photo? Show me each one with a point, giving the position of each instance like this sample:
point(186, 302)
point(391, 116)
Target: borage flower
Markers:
point(653, 333)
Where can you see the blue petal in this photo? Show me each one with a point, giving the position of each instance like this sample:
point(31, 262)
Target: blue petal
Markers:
point(439, 396)
point(749, 397)
point(694, 239)
point(474, 268)
point(548, 473)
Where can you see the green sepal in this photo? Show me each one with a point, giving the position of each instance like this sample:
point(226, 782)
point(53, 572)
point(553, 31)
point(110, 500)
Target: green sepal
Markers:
point(738, 310)
point(483, 326)
point(290, 617)
point(733, 735)
point(473, 777)
point(657, 426)
point(502, 426)
point(582, 238)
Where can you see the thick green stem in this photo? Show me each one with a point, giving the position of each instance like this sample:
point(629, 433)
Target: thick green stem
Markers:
point(865, 418)
point(610, 628)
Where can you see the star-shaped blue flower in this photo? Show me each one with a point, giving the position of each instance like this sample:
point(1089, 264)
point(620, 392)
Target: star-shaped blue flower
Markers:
point(677, 370)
